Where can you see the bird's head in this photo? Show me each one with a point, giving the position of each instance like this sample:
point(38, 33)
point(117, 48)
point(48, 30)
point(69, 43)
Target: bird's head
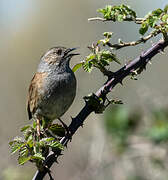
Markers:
point(59, 55)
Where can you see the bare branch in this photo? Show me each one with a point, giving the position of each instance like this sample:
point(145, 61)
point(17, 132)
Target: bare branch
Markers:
point(136, 20)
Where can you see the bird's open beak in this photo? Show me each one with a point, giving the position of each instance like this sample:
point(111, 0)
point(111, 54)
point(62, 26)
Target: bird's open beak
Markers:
point(70, 50)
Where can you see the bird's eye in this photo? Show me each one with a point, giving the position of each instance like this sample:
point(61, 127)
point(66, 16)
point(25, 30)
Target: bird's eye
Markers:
point(59, 51)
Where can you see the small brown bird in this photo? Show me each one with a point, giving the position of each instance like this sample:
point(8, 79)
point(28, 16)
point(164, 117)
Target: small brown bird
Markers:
point(53, 87)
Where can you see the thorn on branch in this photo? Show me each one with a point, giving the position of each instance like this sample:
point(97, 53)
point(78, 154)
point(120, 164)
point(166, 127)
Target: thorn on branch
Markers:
point(161, 51)
point(49, 173)
point(150, 62)
point(56, 160)
point(108, 102)
point(121, 81)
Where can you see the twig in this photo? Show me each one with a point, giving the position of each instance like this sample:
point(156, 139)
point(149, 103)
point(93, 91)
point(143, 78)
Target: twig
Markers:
point(136, 20)
point(118, 76)
point(134, 43)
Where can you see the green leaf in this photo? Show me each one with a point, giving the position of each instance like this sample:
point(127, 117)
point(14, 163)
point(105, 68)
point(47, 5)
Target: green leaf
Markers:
point(90, 57)
point(57, 130)
point(23, 151)
point(166, 28)
point(129, 11)
point(15, 147)
point(165, 18)
point(34, 124)
point(16, 144)
point(88, 66)
point(104, 41)
point(36, 147)
point(11, 143)
point(108, 56)
point(144, 28)
point(25, 128)
point(56, 144)
point(38, 156)
point(152, 20)
point(120, 18)
point(23, 159)
point(44, 141)
point(107, 34)
point(30, 143)
point(106, 12)
point(166, 8)
point(28, 135)
point(48, 139)
point(18, 140)
point(157, 12)
point(104, 62)
point(77, 66)
point(117, 13)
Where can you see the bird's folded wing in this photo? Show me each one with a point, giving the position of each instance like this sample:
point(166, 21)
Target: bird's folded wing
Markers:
point(34, 93)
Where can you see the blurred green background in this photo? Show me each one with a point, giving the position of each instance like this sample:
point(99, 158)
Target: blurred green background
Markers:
point(28, 28)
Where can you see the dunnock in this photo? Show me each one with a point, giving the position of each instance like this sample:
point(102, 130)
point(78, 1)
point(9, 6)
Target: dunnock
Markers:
point(53, 87)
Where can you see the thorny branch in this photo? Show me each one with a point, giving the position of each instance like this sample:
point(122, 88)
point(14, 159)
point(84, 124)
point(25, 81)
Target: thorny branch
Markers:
point(137, 64)
point(122, 44)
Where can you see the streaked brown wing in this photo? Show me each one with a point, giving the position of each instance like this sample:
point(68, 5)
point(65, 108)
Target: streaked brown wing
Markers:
point(33, 93)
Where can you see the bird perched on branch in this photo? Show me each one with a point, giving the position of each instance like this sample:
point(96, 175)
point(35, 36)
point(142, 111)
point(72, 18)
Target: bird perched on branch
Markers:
point(53, 87)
